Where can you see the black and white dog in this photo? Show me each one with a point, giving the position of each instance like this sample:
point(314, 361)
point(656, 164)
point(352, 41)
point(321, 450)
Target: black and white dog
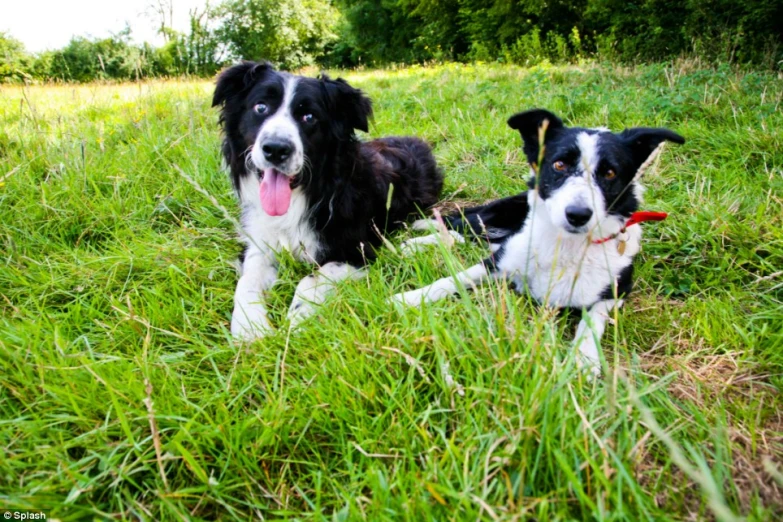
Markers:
point(307, 184)
point(569, 241)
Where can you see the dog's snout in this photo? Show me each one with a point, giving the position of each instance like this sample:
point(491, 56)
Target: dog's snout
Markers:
point(578, 215)
point(277, 152)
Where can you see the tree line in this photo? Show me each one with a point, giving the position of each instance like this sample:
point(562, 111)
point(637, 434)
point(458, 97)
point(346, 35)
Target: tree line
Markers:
point(351, 33)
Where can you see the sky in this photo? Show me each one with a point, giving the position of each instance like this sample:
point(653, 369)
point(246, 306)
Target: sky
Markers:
point(50, 24)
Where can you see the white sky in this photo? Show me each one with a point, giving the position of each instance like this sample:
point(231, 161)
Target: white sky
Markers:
point(49, 24)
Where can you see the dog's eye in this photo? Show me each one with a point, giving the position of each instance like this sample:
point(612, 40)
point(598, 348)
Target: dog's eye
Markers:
point(308, 118)
point(559, 166)
point(261, 108)
point(610, 174)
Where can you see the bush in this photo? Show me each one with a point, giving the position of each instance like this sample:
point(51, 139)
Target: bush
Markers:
point(85, 60)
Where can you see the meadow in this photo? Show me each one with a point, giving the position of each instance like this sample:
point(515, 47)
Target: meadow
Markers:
point(122, 395)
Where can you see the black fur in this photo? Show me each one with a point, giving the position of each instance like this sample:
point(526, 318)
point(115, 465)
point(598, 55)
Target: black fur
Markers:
point(624, 285)
point(623, 153)
point(495, 221)
point(348, 181)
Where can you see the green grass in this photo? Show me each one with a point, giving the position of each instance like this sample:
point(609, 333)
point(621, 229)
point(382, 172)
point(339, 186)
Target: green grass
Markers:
point(116, 291)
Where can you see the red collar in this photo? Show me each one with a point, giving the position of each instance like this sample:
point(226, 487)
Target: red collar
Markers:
point(636, 217)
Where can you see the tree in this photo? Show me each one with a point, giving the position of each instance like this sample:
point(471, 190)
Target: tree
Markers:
point(204, 49)
point(14, 60)
point(162, 13)
point(289, 33)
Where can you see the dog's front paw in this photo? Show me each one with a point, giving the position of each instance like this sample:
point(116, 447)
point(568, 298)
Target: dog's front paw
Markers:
point(412, 298)
point(299, 311)
point(591, 368)
point(587, 357)
point(249, 322)
point(409, 246)
point(424, 224)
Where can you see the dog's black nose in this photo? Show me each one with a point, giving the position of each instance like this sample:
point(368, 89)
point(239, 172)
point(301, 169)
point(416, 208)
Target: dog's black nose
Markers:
point(277, 152)
point(577, 215)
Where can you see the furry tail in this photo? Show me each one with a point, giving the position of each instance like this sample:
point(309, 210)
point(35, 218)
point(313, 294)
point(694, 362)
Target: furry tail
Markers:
point(493, 222)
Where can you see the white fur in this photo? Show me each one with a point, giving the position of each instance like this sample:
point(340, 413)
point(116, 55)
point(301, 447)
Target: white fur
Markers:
point(314, 289)
point(580, 191)
point(590, 331)
point(588, 148)
point(560, 268)
point(555, 267)
point(258, 274)
point(424, 224)
point(281, 126)
point(443, 288)
point(412, 245)
point(265, 234)
point(291, 231)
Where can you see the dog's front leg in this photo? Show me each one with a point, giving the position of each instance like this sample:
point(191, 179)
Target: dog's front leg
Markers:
point(258, 274)
point(590, 331)
point(314, 289)
point(447, 286)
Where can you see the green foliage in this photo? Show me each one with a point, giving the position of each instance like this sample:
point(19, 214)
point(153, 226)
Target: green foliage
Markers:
point(289, 33)
point(528, 49)
point(349, 33)
point(719, 30)
point(379, 32)
point(116, 287)
point(14, 60)
point(530, 31)
point(407, 30)
point(202, 45)
point(197, 52)
point(84, 60)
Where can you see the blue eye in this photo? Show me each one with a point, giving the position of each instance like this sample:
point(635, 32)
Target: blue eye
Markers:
point(308, 118)
point(261, 108)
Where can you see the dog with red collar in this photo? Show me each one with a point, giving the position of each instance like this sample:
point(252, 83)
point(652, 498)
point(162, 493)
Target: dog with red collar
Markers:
point(570, 240)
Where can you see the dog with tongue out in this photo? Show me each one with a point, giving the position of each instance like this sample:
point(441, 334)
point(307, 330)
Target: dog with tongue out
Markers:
point(307, 184)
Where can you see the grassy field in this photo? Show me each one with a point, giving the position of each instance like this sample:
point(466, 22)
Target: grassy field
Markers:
point(122, 395)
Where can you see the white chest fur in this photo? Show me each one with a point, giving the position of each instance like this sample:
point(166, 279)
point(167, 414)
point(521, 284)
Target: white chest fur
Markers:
point(290, 231)
point(562, 269)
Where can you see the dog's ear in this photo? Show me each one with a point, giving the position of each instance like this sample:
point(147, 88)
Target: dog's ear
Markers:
point(528, 124)
point(351, 103)
point(643, 142)
point(236, 79)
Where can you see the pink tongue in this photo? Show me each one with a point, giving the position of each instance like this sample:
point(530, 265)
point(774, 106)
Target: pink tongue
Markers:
point(275, 192)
